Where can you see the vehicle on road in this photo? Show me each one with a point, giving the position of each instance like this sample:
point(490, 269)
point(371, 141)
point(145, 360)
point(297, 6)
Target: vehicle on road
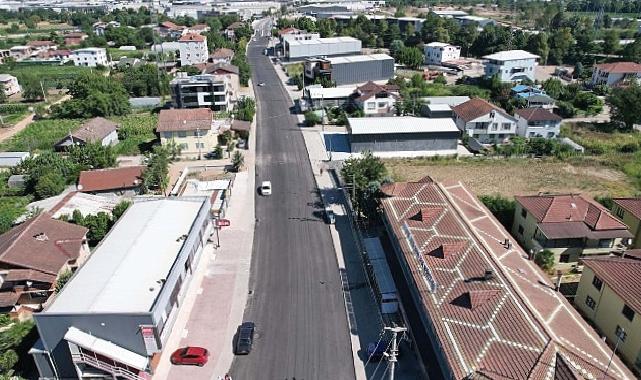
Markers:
point(266, 188)
point(261, 84)
point(242, 144)
point(190, 356)
point(244, 338)
point(330, 217)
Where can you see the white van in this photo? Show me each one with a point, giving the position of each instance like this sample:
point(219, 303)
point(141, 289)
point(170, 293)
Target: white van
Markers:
point(266, 188)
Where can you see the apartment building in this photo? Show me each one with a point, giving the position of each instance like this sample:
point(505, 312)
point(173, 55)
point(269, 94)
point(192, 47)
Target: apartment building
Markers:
point(511, 65)
point(616, 73)
point(193, 49)
point(205, 90)
point(90, 57)
point(438, 52)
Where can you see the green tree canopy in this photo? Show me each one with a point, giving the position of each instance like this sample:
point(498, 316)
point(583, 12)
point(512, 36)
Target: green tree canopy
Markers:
point(365, 175)
point(626, 105)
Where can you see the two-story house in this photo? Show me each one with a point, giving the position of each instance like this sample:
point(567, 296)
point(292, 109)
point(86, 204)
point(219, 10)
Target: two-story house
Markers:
point(438, 52)
point(609, 296)
point(511, 65)
point(90, 57)
point(484, 121)
point(376, 99)
point(203, 90)
point(193, 130)
point(569, 225)
point(616, 73)
point(628, 210)
point(193, 49)
point(537, 122)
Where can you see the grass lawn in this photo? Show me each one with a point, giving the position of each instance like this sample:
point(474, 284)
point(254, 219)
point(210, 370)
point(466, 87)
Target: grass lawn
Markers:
point(12, 113)
point(40, 135)
point(294, 69)
point(116, 54)
point(510, 177)
point(136, 133)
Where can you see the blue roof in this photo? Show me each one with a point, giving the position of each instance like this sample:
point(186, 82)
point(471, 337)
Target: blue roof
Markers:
point(520, 88)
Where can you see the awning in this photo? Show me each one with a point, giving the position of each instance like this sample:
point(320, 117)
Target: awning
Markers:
point(104, 347)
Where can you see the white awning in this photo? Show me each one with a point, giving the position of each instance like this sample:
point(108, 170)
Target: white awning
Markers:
point(104, 347)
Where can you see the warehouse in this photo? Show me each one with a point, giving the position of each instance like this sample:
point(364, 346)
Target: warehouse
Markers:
point(118, 309)
point(351, 69)
point(403, 134)
point(321, 47)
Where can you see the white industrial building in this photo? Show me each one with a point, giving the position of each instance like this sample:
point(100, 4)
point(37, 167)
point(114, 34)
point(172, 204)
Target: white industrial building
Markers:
point(119, 307)
point(193, 49)
point(321, 47)
point(438, 52)
point(511, 65)
point(91, 57)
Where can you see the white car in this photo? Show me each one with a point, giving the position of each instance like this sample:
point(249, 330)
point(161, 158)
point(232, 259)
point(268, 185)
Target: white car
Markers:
point(266, 188)
point(261, 84)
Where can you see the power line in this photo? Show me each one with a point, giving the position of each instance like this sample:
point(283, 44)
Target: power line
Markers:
point(379, 363)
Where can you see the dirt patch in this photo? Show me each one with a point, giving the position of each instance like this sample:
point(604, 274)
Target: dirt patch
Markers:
point(511, 177)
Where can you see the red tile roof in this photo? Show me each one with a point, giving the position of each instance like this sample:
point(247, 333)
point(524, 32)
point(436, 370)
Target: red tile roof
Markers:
point(95, 130)
point(29, 275)
point(475, 108)
point(288, 31)
point(41, 243)
point(199, 27)
point(506, 325)
point(621, 275)
point(110, 179)
point(184, 119)
point(191, 37)
point(170, 25)
point(538, 114)
point(222, 53)
point(235, 25)
point(572, 216)
point(40, 43)
point(370, 89)
point(620, 67)
point(631, 205)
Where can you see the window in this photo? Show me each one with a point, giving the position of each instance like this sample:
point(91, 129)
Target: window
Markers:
point(597, 282)
point(564, 258)
point(523, 213)
point(628, 313)
point(506, 126)
point(589, 302)
point(182, 134)
point(495, 126)
point(521, 229)
point(200, 145)
point(183, 146)
point(606, 243)
point(619, 212)
point(371, 105)
point(620, 333)
point(382, 104)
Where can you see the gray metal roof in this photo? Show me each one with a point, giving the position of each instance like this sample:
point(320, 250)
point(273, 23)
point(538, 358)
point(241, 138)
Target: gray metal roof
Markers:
point(400, 124)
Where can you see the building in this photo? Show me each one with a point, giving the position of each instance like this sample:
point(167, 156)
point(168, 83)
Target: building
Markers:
point(32, 256)
point(204, 90)
point(628, 210)
point(351, 69)
point(12, 159)
point(99, 27)
point(9, 84)
point(221, 55)
point(569, 225)
point(170, 29)
point(118, 309)
point(403, 134)
point(4, 54)
point(193, 130)
point(42, 45)
point(299, 36)
point(225, 72)
point(487, 310)
point(537, 122)
point(321, 47)
point(511, 65)
point(96, 130)
point(124, 181)
point(230, 31)
point(532, 96)
point(438, 52)
point(198, 29)
point(480, 22)
point(609, 296)
point(74, 38)
point(376, 100)
point(20, 52)
point(91, 57)
point(318, 97)
point(58, 57)
point(484, 121)
point(193, 49)
point(449, 13)
point(616, 74)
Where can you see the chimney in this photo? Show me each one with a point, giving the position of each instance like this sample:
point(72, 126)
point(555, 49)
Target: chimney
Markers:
point(489, 275)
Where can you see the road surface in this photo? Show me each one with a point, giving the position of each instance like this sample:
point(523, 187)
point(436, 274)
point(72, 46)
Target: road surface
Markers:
point(296, 300)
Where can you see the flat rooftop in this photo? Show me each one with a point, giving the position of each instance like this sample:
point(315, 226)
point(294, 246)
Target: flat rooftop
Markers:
point(358, 58)
point(321, 41)
point(331, 93)
point(399, 124)
point(122, 275)
point(511, 55)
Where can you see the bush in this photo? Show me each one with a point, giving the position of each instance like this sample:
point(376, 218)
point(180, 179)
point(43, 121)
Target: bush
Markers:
point(565, 109)
point(237, 161)
point(312, 118)
point(545, 259)
point(502, 208)
point(48, 185)
point(62, 280)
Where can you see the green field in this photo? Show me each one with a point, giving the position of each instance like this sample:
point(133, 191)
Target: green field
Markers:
point(12, 113)
point(40, 135)
point(52, 74)
point(117, 54)
point(136, 133)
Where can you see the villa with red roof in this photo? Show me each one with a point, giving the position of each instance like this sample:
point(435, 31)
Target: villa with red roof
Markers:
point(484, 121)
point(628, 210)
point(616, 74)
point(609, 296)
point(569, 225)
point(489, 311)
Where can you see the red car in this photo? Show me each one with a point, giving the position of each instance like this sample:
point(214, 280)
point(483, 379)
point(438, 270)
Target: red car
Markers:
point(190, 356)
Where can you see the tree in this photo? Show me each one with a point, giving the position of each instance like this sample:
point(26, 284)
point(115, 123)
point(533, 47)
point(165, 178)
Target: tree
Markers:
point(554, 87)
point(92, 156)
point(237, 161)
point(365, 175)
point(62, 280)
point(632, 52)
point(396, 47)
point(156, 175)
point(545, 259)
point(218, 152)
point(578, 70)
point(190, 70)
point(31, 89)
point(610, 41)
point(502, 208)
point(93, 95)
point(560, 42)
point(98, 226)
point(440, 79)
point(312, 118)
point(120, 209)
point(411, 57)
point(626, 105)
point(3, 96)
point(538, 44)
point(144, 80)
point(245, 109)
point(48, 185)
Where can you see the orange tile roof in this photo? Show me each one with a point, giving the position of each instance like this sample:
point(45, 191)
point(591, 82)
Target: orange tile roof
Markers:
point(191, 37)
point(621, 275)
point(620, 67)
point(184, 119)
point(631, 205)
point(475, 108)
point(110, 179)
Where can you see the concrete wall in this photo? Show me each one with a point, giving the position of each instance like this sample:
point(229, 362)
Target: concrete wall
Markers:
point(122, 329)
point(445, 142)
point(295, 51)
point(358, 72)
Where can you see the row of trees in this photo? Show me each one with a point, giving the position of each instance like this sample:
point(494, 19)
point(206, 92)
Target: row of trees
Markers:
point(93, 94)
point(99, 224)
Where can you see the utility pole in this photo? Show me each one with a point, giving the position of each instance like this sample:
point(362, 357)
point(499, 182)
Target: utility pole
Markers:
point(394, 351)
point(44, 96)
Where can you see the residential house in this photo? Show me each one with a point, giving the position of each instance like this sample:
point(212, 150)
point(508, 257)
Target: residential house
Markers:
point(4, 54)
point(221, 55)
point(438, 52)
point(123, 181)
point(170, 29)
point(193, 49)
point(484, 121)
point(96, 130)
point(230, 31)
point(226, 72)
point(628, 210)
point(486, 310)
point(74, 38)
point(318, 97)
point(32, 256)
point(193, 130)
point(569, 225)
point(9, 84)
point(90, 57)
point(511, 65)
point(478, 21)
point(203, 90)
point(20, 52)
point(37, 46)
point(537, 122)
point(616, 74)
point(198, 29)
point(374, 99)
point(99, 27)
point(609, 296)
point(59, 57)
point(532, 96)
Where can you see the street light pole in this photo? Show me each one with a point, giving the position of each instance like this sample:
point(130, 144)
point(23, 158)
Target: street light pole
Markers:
point(394, 351)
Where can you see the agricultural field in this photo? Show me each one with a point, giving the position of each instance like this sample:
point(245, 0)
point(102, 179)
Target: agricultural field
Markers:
point(40, 135)
point(53, 75)
point(12, 113)
point(116, 54)
point(509, 177)
point(136, 133)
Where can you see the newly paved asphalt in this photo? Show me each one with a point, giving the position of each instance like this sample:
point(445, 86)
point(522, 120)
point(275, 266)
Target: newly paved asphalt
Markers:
point(297, 302)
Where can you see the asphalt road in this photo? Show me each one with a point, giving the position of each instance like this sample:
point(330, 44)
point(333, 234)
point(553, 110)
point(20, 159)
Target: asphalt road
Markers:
point(297, 302)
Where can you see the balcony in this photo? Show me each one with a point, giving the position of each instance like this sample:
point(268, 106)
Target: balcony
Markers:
point(114, 369)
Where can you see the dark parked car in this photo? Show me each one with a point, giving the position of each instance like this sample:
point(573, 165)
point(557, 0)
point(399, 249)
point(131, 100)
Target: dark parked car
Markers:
point(245, 338)
point(190, 356)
